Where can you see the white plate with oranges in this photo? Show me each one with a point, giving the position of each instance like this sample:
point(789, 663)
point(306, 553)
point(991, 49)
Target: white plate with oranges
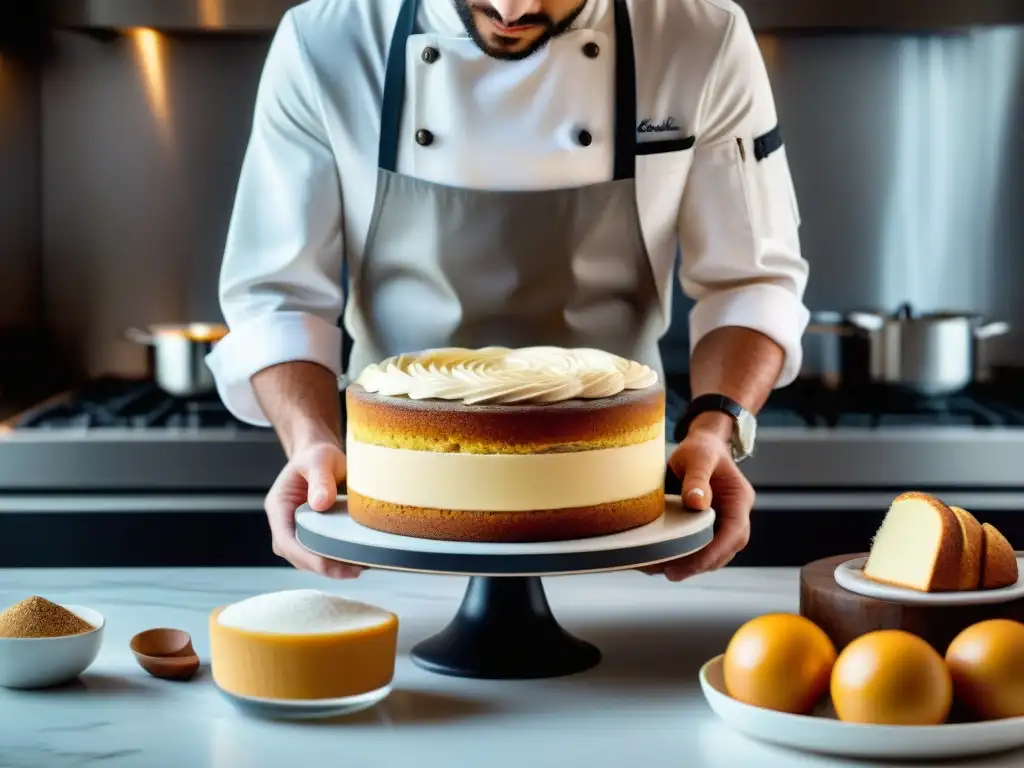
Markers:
point(888, 695)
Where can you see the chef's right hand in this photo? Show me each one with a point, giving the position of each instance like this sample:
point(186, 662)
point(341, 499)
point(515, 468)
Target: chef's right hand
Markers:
point(312, 476)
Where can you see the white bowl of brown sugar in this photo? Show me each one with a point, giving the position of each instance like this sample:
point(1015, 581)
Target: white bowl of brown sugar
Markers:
point(43, 644)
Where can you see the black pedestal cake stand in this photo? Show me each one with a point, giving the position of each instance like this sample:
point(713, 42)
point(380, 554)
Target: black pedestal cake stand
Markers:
point(504, 629)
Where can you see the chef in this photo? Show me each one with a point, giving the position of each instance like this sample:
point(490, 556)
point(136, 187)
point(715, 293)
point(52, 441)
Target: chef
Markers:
point(511, 172)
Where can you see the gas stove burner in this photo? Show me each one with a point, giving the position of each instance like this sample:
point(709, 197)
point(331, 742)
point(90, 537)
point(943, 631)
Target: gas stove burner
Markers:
point(121, 404)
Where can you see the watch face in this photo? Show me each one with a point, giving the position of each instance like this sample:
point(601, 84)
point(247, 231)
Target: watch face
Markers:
point(746, 428)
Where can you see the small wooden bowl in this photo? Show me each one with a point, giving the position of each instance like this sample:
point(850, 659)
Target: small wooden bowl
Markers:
point(166, 653)
point(846, 615)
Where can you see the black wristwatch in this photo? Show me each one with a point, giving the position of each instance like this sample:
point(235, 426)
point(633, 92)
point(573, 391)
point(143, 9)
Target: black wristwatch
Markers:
point(744, 424)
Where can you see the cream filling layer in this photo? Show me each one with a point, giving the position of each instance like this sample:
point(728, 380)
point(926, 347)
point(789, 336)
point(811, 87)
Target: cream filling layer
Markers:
point(505, 482)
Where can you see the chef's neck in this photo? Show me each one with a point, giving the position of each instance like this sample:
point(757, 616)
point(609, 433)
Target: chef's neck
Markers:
point(514, 29)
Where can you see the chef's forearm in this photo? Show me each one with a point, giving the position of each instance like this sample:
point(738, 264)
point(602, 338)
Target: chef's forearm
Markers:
point(301, 401)
point(741, 364)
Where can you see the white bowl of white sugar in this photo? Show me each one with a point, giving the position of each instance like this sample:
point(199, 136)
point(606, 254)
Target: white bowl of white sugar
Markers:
point(303, 653)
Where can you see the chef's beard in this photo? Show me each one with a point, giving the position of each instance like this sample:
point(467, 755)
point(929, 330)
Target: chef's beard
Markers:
point(552, 29)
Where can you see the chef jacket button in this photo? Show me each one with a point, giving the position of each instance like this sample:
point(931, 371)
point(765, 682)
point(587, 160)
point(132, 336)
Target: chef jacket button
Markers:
point(584, 138)
point(430, 55)
point(424, 137)
point(591, 50)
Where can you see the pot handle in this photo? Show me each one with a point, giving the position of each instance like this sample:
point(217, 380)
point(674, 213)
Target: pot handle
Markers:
point(866, 321)
point(139, 337)
point(991, 330)
point(828, 329)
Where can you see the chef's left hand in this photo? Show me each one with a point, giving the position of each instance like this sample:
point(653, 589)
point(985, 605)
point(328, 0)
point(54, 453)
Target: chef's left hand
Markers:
point(703, 461)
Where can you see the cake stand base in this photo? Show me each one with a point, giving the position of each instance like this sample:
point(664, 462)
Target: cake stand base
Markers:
point(505, 630)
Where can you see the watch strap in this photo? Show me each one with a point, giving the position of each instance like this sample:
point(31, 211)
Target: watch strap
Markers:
point(712, 403)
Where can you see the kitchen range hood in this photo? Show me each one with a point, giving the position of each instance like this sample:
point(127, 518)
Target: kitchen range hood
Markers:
point(904, 16)
point(195, 16)
point(796, 16)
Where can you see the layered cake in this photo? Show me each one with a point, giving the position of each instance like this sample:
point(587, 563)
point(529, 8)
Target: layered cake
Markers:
point(506, 445)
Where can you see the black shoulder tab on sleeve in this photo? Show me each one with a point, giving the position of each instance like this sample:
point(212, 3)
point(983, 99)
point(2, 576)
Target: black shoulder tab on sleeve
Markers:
point(768, 144)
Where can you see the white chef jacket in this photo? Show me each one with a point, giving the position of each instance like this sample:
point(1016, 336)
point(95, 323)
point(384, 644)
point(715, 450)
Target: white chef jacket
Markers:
point(306, 194)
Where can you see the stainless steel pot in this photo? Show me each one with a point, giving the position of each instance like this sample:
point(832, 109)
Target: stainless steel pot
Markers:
point(931, 354)
point(835, 352)
point(178, 355)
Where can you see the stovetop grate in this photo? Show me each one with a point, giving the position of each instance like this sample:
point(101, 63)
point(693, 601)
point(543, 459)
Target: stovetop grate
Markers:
point(119, 404)
point(807, 403)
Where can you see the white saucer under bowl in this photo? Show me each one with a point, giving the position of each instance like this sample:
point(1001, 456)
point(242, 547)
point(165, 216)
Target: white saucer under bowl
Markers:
point(299, 709)
point(850, 576)
point(821, 733)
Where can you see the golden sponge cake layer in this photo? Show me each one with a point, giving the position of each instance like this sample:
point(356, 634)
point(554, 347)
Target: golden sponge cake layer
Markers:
point(507, 527)
point(629, 418)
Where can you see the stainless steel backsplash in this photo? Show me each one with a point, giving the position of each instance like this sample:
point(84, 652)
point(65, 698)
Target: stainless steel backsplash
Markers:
point(24, 362)
point(20, 246)
point(143, 137)
point(906, 152)
point(908, 159)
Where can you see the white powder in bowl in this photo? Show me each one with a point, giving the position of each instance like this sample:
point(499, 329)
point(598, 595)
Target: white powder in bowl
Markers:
point(301, 612)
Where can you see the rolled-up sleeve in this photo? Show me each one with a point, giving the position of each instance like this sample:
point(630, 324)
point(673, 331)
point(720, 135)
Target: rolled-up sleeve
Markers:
point(280, 283)
point(739, 219)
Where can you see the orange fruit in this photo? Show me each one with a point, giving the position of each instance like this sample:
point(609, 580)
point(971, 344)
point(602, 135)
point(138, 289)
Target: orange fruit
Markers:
point(986, 662)
point(891, 677)
point(779, 661)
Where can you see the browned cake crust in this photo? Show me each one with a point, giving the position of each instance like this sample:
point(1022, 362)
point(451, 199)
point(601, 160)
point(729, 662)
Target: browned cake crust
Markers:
point(946, 576)
point(631, 417)
point(506, 527)
point(999, 564)
point(970, 559)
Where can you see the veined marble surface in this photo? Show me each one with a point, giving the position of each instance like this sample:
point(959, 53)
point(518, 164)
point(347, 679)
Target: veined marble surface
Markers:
point(641, 706)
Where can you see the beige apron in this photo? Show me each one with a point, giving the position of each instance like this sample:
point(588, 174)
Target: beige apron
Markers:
point(446, 266)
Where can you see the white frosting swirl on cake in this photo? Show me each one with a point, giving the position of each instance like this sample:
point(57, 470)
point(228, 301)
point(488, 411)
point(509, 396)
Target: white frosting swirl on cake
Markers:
point(496, 375)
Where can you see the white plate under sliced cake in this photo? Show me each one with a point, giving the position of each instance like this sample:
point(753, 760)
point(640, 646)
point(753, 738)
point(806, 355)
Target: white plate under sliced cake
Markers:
point(927, 546)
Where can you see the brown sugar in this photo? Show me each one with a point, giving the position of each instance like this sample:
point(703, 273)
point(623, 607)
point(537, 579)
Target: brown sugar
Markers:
point(38, 617)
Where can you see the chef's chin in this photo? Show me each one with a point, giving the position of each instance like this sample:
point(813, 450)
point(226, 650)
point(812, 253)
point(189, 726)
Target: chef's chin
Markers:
point(513, 47)
point(504, 46)
point(500, 44)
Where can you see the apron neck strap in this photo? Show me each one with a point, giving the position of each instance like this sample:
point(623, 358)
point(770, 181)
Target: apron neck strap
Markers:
point(625, 91)
point(625, 95)
point(394, 86)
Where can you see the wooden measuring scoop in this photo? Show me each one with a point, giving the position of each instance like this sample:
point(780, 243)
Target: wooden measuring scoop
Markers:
point(166, 653)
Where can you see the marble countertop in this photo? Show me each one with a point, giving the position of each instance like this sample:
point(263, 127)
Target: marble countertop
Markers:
point(641, 706)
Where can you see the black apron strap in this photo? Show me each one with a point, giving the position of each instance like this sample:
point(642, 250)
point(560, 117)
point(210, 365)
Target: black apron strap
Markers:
point(394, 87)
point(625, 95)
point(625, 91)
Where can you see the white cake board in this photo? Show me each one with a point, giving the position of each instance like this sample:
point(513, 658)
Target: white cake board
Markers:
point(335, 535)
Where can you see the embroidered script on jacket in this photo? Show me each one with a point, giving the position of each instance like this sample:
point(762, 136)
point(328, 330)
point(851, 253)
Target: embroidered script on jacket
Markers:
point(649, 126)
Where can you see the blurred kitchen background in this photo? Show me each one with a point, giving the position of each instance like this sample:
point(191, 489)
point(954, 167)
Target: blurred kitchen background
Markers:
point(122, 128)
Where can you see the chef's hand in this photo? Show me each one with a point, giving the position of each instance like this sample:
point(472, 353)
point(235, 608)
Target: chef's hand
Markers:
point(311, 476)
point(703, 461)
